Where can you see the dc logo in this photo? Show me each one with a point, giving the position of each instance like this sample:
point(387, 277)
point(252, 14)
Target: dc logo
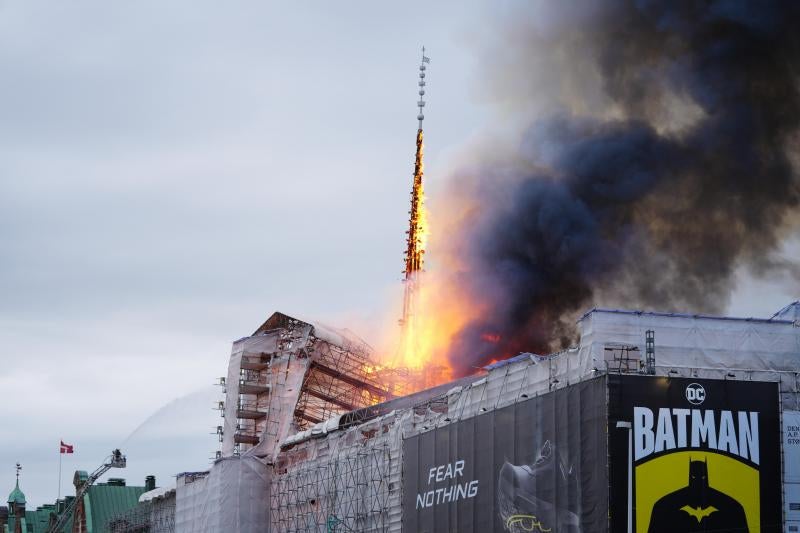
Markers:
point(695, 393)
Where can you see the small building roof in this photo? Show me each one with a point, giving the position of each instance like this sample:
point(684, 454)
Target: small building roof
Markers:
point(17, 496)
point(39, 520)
point(102, 502)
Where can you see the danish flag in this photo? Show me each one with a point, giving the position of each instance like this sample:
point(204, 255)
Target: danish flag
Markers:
point(66, 448)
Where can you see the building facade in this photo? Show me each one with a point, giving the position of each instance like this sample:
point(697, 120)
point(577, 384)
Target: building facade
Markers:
point(653, 418)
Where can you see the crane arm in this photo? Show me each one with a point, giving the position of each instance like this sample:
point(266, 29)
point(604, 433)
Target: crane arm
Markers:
point(115, 460)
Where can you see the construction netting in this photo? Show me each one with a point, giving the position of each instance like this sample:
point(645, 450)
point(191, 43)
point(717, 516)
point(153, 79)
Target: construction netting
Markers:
point(231, 496)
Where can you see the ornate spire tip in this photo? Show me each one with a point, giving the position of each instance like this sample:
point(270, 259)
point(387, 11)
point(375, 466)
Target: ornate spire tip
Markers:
point(421, 102)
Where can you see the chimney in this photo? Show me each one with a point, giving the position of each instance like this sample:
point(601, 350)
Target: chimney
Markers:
point(149, 483)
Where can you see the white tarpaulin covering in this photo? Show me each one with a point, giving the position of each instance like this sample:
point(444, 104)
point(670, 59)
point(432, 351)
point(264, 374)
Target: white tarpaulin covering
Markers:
point(242, 347)
point(703, 346)
point(693, 341)
point(232, 497)
point(159, 492)
point(791, 313)
point(698, 342)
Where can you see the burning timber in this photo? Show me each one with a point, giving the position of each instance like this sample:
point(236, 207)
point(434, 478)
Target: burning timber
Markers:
point(318, 438)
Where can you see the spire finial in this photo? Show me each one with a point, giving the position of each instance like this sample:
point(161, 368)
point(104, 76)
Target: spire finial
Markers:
point(421, 102)
point(19, 467)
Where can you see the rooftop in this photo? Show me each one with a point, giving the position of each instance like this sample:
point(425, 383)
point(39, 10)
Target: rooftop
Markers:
point(17, 496)
point(775, 319)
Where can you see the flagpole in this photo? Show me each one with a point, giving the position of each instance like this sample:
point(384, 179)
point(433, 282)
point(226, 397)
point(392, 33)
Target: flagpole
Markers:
point(59, 473)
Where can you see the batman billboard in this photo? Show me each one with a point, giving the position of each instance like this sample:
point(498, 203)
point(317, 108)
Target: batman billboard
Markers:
point(539, 465)
point(693, 455)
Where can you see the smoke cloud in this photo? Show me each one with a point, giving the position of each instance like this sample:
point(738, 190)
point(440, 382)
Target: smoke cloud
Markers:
point(659, 161)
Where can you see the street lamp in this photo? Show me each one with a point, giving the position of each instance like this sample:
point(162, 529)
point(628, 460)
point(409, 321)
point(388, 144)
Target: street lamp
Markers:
point(628, 426)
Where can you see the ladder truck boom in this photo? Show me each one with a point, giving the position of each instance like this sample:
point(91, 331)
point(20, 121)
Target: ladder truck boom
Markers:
point(115, 460)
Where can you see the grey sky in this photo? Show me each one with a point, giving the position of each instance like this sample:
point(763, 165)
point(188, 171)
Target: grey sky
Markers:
point(173, 172)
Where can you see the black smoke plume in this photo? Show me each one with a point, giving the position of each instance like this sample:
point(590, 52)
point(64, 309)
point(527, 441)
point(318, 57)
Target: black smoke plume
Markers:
point(654, 207)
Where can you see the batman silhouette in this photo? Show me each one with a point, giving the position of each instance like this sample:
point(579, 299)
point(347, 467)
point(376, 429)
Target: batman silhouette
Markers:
point(697, 507)
point(540, 497)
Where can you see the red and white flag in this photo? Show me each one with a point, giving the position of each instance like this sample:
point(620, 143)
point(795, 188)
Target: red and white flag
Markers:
point(67, 448)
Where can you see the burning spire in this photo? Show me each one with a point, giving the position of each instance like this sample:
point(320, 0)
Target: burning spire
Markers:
point(416, 234)
point(415, 243)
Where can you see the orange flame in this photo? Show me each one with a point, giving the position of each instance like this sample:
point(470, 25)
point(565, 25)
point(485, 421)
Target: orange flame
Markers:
point(441, 312)
point(435, 307)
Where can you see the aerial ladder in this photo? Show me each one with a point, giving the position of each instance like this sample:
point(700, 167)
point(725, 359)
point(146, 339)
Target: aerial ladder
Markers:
point(115, 460)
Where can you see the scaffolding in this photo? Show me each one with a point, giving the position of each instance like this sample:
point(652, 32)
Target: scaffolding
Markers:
point(296, 374)
point(152, 516)
point(650, 352)
point(338, 381)
point(350, 492)
point(622, 358)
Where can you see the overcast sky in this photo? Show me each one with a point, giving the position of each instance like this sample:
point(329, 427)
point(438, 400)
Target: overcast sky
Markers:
point(171, 173)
